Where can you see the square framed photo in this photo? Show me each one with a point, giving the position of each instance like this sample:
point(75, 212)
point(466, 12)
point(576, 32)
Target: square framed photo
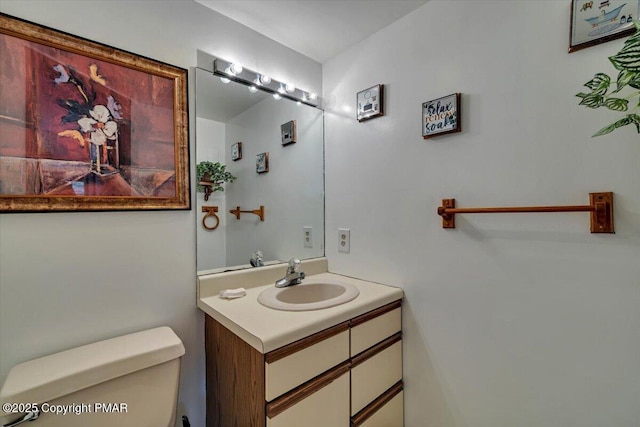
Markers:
point(288, 133)
point(236, 151)
point(596, 21)
point(370, 103)
point(441, 116)
point(88, 127)
point(262, 163)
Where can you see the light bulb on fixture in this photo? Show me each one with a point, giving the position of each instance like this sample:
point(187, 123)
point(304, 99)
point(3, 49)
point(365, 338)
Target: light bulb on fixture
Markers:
point(281, 89)
point(313, 95)
point(276, 96)
point(290, 87)
point(224, 80)
point(253, 89)
point(234, 69)
point(264, 79)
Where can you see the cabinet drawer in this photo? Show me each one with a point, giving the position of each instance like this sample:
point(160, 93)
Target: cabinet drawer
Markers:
point(301, 361)
point(390, 415)
point(371, 328)
point(375, 372)
point(326, 407)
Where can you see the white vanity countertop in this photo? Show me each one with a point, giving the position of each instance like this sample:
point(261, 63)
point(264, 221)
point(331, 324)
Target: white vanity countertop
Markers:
point(266, 329)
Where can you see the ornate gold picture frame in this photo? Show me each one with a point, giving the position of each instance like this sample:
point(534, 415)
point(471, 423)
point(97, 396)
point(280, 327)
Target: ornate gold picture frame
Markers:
point(85, 126)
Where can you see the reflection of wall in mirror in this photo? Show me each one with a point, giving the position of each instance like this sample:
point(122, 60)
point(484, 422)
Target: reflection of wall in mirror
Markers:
point(293, 190)
point(211, 251)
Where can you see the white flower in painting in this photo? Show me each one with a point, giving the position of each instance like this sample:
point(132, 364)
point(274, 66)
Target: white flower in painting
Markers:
point(64, 76)
point(100, 125)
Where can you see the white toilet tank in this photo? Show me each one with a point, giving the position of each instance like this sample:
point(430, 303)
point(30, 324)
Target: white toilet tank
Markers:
point(130, 380)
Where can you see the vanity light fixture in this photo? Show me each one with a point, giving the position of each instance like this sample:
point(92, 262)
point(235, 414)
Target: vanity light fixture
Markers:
point(237, 73)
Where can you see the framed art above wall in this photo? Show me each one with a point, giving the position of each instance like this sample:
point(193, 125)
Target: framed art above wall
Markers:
point(597, 21)
point(236, 151)
point(262, 162)
point(441, 116)
point(370, 103)
point(88, 127)
point(288, 133)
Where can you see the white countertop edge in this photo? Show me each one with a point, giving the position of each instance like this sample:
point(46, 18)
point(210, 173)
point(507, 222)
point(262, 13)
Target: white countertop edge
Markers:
point(289, 327)
point(246, 336)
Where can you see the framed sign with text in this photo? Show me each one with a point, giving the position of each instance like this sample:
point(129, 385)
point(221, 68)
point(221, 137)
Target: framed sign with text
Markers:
point(441, 116)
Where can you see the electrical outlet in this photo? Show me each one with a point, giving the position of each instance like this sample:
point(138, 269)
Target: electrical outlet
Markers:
point(308, 237)
point(344, 240)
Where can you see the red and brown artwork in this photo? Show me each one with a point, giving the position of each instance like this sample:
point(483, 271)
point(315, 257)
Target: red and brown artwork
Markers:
point(80, 131)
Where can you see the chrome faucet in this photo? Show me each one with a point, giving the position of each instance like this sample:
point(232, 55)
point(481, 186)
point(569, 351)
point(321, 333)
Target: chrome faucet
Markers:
point(293, 277)
point(256, 259)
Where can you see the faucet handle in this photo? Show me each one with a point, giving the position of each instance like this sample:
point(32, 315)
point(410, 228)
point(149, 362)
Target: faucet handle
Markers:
point(294, 265)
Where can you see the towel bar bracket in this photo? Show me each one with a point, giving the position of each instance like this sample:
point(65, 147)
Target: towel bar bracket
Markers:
point(602, 216)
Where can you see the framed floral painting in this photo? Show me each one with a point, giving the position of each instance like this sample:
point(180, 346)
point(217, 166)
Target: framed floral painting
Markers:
point(84, 126)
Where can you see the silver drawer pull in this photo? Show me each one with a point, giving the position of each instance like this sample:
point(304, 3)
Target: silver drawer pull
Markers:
point(29, 416)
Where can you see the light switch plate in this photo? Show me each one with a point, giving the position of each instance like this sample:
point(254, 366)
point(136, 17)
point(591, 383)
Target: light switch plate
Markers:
point(344, 240)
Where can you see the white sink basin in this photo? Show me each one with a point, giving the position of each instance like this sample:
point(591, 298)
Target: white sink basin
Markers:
point(308, 296)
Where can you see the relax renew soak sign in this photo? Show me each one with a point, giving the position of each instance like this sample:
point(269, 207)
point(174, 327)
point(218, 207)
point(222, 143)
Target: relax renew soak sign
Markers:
point(441, 116)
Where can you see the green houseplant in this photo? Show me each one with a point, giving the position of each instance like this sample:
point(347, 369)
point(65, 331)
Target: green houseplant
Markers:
point(211, 176)
point(626, 95)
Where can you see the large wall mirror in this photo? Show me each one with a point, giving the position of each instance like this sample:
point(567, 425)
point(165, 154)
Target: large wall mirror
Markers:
point(292, 191)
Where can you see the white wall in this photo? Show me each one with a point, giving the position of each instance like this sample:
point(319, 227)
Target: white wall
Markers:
point(211, 251)
point(71, 278)
point(521, 320)
point(292, 192)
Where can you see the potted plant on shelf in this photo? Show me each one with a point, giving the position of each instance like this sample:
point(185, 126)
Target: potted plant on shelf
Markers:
point(627, 62)
point(211, 176)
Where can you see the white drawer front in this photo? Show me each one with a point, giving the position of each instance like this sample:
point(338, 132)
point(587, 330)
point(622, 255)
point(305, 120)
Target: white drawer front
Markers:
point(375, 330)
point(299, 367)
point(327, 407)
point(390, 415)
point(375, 375)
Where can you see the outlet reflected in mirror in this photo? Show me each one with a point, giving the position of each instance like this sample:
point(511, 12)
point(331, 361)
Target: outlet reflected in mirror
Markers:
point(292, 191)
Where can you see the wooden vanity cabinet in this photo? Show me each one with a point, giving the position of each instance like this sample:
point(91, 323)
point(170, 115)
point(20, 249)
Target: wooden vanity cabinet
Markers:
point(349, 375)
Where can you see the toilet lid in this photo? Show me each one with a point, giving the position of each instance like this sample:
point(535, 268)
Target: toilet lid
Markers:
point(44, 379)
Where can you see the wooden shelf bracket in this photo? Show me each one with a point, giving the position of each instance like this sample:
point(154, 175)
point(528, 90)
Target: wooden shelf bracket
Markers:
point(601, 208)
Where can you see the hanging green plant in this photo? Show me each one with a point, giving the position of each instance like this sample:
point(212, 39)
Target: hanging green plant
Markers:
point(212, 175)
point(623, 98)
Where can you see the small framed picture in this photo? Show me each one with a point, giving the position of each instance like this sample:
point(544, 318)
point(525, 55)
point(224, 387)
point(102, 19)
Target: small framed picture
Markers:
point(370, 103)
point(262, 163)
point(596, 21)
point(288, 133)
point(236, 151)
point(441, 116)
